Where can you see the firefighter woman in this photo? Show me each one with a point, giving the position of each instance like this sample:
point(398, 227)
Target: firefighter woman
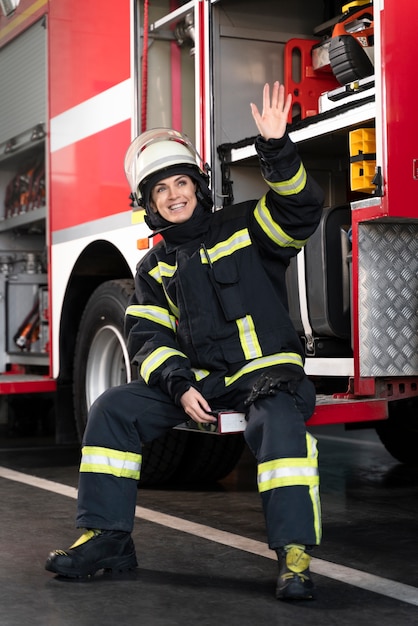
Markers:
point(208, 328)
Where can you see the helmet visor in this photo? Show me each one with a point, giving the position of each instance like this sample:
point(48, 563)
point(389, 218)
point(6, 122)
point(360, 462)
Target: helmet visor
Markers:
point(158, 149)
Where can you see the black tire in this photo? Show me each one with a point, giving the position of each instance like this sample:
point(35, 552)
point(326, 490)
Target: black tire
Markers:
point(101, 361)
point(161, 458)
point(209, 458)
point(399, 433)
point(100, 358)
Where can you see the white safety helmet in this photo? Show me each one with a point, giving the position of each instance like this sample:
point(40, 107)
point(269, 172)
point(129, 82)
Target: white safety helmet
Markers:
point(155, 154)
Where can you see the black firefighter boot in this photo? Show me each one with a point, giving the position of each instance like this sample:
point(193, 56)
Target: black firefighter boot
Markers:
point(294, 581)
point(94, 550)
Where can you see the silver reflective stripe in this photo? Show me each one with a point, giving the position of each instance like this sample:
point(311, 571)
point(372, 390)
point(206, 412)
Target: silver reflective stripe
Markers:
point(296, 472)
point(157, 358)
point(272, 229)
point(162, 270)
point(98, 460)
point(155, 314)
point(265, 361)
point(248, 338)
point(291, 186)
point(237, 241)
point(199, 374)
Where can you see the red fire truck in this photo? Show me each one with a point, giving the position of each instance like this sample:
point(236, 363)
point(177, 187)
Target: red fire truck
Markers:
point(78, 80)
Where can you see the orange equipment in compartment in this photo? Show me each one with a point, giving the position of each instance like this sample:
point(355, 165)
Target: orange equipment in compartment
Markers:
point(301, 80)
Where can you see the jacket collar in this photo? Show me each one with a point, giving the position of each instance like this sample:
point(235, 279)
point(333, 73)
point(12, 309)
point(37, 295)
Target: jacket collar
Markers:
point(185, 234)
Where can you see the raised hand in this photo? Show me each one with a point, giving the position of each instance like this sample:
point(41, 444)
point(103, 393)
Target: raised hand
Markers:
point(271, 123)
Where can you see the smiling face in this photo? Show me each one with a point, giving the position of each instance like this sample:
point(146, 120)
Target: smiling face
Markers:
point(174, 198)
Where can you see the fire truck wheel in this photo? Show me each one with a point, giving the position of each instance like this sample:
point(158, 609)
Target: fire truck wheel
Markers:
point(209, 458)
point(101, 360)
point(399, 433)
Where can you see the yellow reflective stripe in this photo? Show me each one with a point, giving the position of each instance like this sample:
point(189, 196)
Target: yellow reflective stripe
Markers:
point(316, 507)
point(155, 274)
point(291, 186)
point(312, 452)
point(237, 241)
point(293, 473)
point(162, 270)
point(290, 472)
point(157, 358)
point(173, 307)
point(155, 314)
point(265, 361)
point(86, 536)
point(272, 229)
point(248, 338)
point(114, 462)
point(167, 271)
point(199, 374)
point(311, 446)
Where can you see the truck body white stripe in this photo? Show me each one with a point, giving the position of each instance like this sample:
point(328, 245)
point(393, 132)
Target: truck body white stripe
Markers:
point(92, 116)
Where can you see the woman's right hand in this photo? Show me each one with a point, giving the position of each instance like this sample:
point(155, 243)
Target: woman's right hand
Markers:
point(196, 407)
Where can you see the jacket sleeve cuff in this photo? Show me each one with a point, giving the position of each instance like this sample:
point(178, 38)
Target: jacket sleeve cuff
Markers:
point(267, 146)
point(177, 386)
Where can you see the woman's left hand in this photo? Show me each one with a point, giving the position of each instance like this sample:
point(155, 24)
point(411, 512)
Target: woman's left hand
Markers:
point(272, 122)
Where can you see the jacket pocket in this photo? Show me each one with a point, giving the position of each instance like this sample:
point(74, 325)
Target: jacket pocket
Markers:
point(225, 280)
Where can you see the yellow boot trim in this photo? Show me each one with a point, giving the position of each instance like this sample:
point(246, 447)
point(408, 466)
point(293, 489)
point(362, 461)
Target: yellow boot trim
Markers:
point(86, 536)
point(296, 558)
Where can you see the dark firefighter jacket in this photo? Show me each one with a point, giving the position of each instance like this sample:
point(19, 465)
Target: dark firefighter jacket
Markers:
point(211, 306)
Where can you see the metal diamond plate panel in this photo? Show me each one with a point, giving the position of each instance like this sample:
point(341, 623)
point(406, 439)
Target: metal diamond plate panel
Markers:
point(388, 299)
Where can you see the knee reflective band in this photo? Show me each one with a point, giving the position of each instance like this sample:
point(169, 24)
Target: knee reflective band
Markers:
point(296, 472)
point(107, 461)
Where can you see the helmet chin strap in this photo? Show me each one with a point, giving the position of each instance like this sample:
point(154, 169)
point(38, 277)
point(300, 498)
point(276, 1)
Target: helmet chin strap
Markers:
point(204, 198)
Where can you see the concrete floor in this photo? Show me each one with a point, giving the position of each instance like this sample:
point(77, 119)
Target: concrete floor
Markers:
point(202, 555)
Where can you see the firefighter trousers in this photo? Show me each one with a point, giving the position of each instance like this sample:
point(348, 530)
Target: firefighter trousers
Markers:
point(125, 417)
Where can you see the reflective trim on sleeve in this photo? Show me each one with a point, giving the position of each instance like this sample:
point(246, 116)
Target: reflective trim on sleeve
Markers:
point(237, 241)
point(266, 361)
point(155, 314)
point(272, 229)
point(157, 358)
point(292, 186)
point(98, 460)
point(248, 338)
